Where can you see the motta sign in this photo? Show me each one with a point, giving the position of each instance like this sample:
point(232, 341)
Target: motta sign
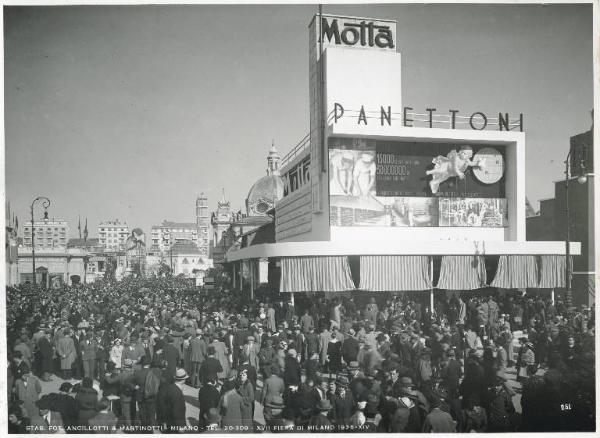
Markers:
point(357, 33)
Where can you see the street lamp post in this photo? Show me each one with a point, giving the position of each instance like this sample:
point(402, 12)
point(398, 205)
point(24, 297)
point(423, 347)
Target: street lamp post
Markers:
point(581, 179)
point(45, 204)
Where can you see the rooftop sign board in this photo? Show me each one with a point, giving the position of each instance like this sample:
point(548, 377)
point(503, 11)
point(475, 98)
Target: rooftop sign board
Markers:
point(356, 32)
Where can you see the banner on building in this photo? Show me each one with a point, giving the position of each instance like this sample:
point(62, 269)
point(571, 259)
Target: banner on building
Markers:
point(409, 184)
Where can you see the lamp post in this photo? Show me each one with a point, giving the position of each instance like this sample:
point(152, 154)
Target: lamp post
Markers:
point(581, 179)
point(45, 204)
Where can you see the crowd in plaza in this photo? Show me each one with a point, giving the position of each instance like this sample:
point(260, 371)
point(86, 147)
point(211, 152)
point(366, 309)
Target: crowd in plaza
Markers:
point(125, 351)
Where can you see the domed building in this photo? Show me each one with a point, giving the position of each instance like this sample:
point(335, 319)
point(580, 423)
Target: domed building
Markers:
point(268, 189)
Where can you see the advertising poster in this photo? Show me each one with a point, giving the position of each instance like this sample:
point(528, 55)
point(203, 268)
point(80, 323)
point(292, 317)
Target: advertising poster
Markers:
point(457, 212)
point(403, 184)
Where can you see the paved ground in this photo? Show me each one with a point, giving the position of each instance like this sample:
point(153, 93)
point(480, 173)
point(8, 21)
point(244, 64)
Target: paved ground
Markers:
point(191, 397)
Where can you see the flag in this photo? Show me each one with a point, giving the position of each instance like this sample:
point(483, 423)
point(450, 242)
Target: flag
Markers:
point(16, 222)
point(79, 227)
point(85, 231)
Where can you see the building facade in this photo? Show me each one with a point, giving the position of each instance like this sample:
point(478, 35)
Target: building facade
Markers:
point(48, 234)
point(113, 234)
point(417, 202)
point(203, 224)
point(551, 222)
point(220, 222)
point(169, 233)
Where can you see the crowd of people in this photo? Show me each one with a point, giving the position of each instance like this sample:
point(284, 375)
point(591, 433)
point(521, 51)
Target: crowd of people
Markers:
point(125, 352)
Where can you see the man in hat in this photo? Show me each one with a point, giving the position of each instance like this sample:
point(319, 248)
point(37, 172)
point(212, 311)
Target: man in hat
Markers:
point(250, 351)
point(22, 346)
point(306, 322)
point(320, 422)
point(342, 402)
point(88, 348)
point(267, 356)
point(292, 369)
point(171, 355)
point(28, 390)
point(67, 353)
point(171, 403)
point(451, 374)
point(350, 347)
point(211, 368)
point(46, 420)
point(45, 352)
point(500, 407)
point(197, 350)
point(371, 311)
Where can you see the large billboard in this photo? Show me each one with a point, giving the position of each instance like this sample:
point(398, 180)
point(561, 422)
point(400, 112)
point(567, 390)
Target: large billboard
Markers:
point(410, 184)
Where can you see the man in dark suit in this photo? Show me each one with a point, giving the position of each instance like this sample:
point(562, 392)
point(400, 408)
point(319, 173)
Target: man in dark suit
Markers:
point(197, 356)
point(45, 353)
point(210, 367)
point(171, 355)
point(350, 347)
point(208, 396)
point(48, 421)
point(171, 403)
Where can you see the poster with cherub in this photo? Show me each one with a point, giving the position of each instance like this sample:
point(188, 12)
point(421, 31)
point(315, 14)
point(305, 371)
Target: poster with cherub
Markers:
point(453, 165)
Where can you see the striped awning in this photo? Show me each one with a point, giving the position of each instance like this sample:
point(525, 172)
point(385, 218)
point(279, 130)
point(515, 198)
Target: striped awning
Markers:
point(394, 273)
point(462, 273)
point(552, 271)
point(314, 274)
point(516, 272)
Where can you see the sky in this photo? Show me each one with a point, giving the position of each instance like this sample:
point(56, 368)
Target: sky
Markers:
point(130, 112)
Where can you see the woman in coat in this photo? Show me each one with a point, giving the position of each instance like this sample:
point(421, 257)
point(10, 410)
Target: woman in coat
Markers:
point(116, 354)
point(246, 390)
point(221, 355)
point(65, 350)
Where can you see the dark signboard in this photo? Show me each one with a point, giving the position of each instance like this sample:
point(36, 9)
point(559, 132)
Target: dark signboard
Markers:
point(383, 183)
point(402, 171)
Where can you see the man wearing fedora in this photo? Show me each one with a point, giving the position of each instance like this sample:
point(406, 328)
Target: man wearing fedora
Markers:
point(320, 421)
point(171, 403)
point(342, 402)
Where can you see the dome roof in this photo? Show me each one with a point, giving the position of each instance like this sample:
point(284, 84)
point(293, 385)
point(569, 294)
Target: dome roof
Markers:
point(263, 194)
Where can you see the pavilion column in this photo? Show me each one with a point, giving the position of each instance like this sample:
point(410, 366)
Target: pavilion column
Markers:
point(233, 275)
point(251, 265)
point(431, 290)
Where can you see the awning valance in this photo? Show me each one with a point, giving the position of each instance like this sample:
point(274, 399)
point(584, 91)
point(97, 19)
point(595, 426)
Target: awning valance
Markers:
point(516, 272)
point(462, 273)
point(394, 273)
point(314, 274)
point(552, 271)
